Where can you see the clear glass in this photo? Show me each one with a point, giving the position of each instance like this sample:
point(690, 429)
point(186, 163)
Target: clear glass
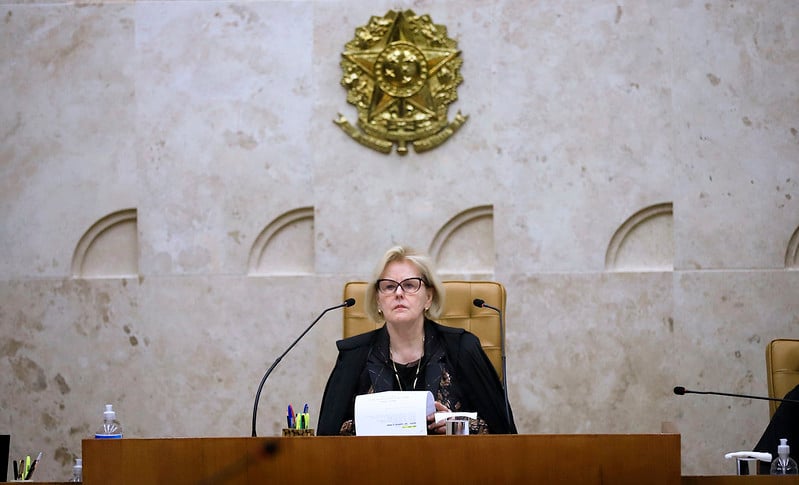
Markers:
point(408, 285)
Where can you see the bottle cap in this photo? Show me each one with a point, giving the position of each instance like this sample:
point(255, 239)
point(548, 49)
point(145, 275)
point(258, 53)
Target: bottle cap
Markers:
point(783, 448)
point(109, 413)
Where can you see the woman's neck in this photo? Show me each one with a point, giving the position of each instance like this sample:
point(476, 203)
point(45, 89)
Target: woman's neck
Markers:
point(407, 343)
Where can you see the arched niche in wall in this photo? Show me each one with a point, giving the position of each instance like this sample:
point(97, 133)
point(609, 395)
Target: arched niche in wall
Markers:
point(465, 244)
point(792, 254)
point(645, 242)
point(285, 246)
point(109, 249)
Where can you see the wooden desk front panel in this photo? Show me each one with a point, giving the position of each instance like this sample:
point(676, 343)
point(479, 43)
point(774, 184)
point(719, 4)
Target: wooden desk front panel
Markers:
point(585, 459)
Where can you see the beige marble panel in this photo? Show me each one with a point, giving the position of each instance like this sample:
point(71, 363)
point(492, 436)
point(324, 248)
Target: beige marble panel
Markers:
point(67, 129)
point(735, 74)
point(224, 94)
point(590, 353)
point(215, 337)
point(585, 130)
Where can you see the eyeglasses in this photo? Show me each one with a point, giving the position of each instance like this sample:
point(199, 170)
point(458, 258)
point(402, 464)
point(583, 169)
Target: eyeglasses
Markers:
point(408, 285)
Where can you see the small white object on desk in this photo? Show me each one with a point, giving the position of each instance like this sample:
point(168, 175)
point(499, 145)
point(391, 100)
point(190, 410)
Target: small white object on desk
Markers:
point(757, 455)
point(746, 461)
point(444, 415)
point(456, 423)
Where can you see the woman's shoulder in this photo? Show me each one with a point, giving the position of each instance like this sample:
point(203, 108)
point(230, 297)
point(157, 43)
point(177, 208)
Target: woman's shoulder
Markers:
point(447, 330)
point(357, 341)
point(454, 333)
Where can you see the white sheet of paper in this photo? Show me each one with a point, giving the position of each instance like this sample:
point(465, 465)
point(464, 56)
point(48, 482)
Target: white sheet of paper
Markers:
point(393, 413)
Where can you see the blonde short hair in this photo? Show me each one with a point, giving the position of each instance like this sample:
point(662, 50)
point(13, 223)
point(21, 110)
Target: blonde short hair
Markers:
point(426, 272)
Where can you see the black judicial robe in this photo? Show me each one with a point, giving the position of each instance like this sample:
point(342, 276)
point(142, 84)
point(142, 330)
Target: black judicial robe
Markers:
point(784, 424)
point(472, 373)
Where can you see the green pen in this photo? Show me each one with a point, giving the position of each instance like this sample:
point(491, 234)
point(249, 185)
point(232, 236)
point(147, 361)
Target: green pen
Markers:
point(33, 466)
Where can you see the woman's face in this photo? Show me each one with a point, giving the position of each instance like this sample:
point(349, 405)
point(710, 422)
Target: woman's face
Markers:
point(400, 307)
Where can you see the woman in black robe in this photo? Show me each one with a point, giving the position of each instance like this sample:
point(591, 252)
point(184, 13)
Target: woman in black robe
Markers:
point(413, 352)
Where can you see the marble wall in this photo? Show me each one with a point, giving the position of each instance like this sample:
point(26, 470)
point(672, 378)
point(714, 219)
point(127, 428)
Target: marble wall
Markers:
point(178, 206)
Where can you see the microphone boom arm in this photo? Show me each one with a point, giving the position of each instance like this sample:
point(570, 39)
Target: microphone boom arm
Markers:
point(679, 390)
point(347, 303)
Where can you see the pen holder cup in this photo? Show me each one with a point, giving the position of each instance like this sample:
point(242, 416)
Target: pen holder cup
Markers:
point(298, 432)
point(457, 426)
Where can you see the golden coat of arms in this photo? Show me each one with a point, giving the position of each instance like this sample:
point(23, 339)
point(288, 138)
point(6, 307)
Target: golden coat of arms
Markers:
point(401, 72)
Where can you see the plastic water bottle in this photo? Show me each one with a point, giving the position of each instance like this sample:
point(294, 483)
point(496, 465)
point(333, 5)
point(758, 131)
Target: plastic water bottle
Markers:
point(784, 464)
point(111, 428)
point(77, 471)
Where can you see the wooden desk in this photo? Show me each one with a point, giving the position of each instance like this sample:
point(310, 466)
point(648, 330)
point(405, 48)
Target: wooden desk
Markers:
point(584, 459)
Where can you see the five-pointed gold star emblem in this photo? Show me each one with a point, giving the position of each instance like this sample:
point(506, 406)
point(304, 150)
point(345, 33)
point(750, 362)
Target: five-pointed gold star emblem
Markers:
point(401, 72)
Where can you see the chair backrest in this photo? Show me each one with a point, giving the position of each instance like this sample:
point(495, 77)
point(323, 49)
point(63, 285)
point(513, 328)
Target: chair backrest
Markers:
point(459, 311)
point(782, 369)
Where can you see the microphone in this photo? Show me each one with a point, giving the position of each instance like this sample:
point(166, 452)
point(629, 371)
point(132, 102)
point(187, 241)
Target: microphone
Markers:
point(679, 390)
point(482, 304)
point(347, 303)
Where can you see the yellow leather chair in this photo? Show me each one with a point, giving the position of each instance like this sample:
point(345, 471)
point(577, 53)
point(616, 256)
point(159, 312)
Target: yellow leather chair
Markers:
point(459, 311)
point(782, 369)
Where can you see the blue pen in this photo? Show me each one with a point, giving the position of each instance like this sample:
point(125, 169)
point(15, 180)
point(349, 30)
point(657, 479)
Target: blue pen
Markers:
point(290, 417)
point(305, 409)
